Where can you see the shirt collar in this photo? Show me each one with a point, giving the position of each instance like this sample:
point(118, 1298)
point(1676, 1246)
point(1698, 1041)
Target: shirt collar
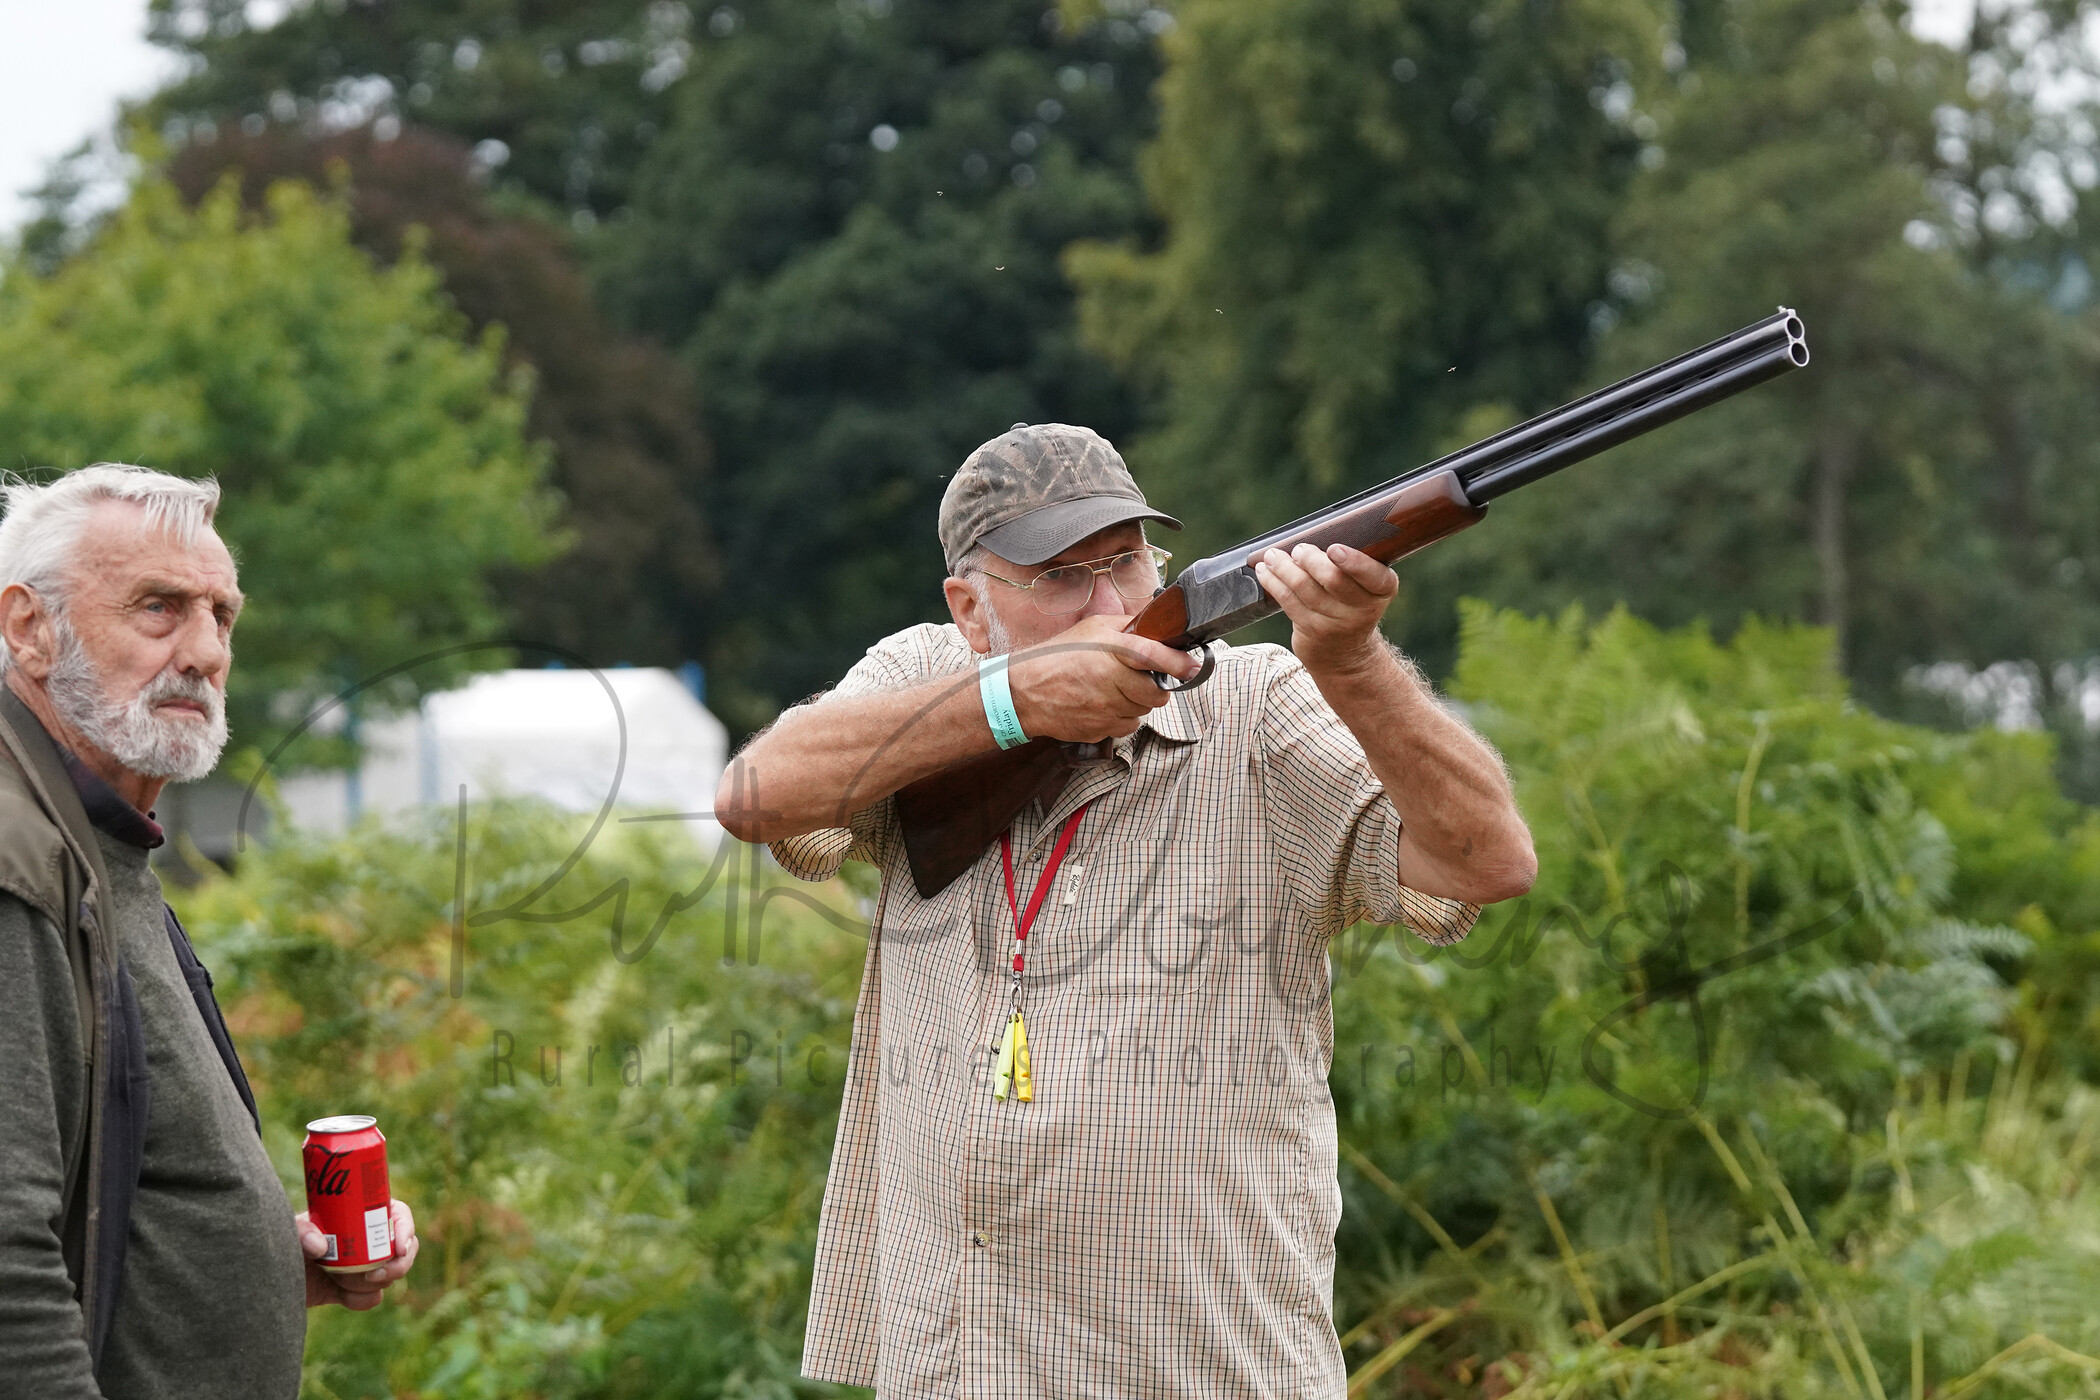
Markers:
point(1184, 719)
point(1180, 720)
point(1187, 717)
point(106, 809)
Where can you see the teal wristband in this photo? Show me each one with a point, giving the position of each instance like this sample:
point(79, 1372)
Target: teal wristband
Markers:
point(992, 684)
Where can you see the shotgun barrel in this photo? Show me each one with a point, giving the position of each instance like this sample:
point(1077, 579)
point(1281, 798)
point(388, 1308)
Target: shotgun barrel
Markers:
point(1222, 594)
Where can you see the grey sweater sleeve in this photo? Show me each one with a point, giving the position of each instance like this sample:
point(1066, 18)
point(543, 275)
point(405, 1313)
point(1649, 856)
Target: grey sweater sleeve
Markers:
point(43, 1101)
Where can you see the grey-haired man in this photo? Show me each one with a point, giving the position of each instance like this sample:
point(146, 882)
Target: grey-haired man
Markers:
point(146, 1246)
point(1153, 1213)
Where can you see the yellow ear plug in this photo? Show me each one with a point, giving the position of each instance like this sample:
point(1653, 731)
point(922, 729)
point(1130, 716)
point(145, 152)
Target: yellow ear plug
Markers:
point(1024, 1085)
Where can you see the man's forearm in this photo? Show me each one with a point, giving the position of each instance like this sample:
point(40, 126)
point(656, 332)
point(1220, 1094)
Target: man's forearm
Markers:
point(821, 763)
point(1461, 834)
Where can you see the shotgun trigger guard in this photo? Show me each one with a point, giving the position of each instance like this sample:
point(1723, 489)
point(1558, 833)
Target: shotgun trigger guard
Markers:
point(1210, 663)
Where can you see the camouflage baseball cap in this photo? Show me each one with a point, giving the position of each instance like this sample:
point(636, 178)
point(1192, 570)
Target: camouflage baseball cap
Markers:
point(1035, 491)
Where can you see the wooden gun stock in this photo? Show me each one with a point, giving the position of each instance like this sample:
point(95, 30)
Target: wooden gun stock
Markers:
point(1392, 527)
point(951, 816)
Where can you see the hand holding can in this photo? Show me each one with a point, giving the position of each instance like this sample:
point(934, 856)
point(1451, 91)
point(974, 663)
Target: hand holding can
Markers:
point(347, 1192)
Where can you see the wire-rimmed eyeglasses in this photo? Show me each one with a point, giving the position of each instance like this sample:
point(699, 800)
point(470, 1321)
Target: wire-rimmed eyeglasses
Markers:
point(1069, 587)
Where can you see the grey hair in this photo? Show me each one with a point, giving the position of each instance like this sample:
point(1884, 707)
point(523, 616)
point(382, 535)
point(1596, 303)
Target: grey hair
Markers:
point(970, 569)
point(40, 532)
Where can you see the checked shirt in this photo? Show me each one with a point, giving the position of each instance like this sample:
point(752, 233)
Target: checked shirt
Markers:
point(1159, 1221)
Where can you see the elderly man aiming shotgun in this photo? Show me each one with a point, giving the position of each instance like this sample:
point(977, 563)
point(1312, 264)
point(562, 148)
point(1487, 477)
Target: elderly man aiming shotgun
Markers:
point(1086, 1146)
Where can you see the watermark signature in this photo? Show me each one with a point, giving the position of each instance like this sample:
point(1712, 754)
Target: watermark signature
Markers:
point(747, 1058)
point(1661, 973)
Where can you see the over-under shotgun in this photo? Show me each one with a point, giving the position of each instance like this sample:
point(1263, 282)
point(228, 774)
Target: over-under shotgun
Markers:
point(950, 817)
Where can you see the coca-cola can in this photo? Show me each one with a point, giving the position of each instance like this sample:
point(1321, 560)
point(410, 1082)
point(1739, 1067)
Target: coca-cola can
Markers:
point(347, 1196)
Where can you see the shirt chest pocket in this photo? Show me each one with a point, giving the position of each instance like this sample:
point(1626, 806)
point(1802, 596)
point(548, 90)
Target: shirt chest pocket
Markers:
point(1166, 931)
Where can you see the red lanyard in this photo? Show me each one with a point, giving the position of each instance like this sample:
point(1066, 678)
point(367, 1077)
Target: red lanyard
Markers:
point(1011, 1073)
point(1025, 922)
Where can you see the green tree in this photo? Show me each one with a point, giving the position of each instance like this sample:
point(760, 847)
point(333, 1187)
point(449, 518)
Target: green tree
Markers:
point(846, 216)
point(1358, 273)
point(1927, 488)
point(374, 460)
point(1376, 216)
point(618, 412)
point(852, 226)
point(574, 91)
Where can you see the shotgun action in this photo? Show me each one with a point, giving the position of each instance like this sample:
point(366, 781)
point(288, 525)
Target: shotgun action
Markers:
point(950, 817)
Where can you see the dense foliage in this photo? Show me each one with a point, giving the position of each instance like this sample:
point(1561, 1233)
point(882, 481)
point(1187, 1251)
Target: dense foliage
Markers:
point(572, 91)
point(1377, 217)
point(1849, 1135)
point(616, 413)
point(1391, 230)
point(852, 227)
point(1375, 232)
point(1757, 1043)
point(847, 217)
point(373, 455)
point(616, 1149)
point(1782, 1081)
point(1927, 489)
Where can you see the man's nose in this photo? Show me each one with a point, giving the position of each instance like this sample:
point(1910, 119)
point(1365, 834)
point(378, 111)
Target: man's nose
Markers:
point(203, 649)
point(1104, 600)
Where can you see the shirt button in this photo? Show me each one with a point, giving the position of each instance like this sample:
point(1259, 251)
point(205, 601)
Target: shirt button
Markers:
point(980, 1238)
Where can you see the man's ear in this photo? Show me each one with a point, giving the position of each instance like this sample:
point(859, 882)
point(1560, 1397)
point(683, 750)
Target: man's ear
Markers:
point(968, 611)
point(25, 627)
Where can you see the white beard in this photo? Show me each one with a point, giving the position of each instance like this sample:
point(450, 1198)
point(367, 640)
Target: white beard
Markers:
point(141, 740)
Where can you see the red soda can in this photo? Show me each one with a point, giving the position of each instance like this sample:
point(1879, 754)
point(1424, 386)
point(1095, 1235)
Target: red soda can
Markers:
point(347, 1196)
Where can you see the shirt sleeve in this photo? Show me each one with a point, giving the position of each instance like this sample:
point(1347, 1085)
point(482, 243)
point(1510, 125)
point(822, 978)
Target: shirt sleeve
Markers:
point(869, 834)
point(1336, 832)
point(43, 1341)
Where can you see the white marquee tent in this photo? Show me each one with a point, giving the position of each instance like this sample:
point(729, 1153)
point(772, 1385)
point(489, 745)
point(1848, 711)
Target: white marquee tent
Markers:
point(569, 737)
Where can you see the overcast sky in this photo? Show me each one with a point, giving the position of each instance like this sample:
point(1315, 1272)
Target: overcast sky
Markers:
point(64, 65)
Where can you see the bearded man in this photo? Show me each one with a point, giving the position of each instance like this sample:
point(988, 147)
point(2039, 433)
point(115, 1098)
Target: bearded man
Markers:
point(146, 1245)
point(1086, 1146)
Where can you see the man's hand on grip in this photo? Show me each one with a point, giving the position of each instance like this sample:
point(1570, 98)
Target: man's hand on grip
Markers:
point(1092, 681)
